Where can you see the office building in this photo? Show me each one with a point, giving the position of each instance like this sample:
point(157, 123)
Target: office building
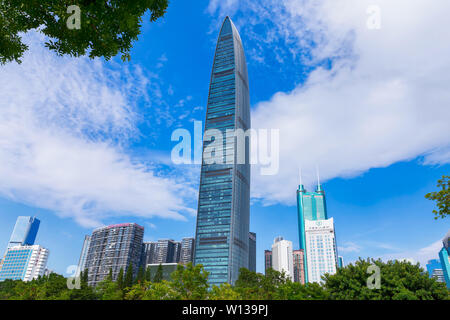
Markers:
point(267, 260)
point(187, 250)
point(166, 251)
point(252, 251)
point(149, 252)
point(282, 257)
point(24, 263)
point(113, 248)
point(223, 216)
point(320, 248)
point(340, 262)
point(299, 268)
point(444, 258)
point(25, 231)
point(432, 265)
point(83, 255)
point(167, 269)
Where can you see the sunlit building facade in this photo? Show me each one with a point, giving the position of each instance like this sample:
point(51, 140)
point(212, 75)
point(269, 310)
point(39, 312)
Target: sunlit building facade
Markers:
point(24, 263)
point(282, 257)
point(25, 231)
point(221, 241)
point(444, 256)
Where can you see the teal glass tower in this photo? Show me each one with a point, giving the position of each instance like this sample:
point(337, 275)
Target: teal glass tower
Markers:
point(24, 232)
point(310, 206)
point(222, 231)
point(444, 256)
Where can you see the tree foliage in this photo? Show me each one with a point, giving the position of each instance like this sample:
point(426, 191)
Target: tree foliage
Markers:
point(106, 27)
point(442, 198)
point(399, 281)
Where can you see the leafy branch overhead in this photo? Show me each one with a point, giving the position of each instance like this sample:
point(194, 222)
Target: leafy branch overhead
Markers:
point(105, 27)
point(442, 198)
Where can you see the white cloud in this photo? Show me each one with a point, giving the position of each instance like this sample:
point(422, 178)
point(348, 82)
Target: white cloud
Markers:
point(349, 247)
point(385, 99)
point(64, 127)
point(421, 255)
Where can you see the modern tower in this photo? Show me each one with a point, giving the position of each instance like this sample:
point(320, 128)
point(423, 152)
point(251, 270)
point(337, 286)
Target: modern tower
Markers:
point(113, 248)
point(267, 260)
point(25, 231)
point(221, 241)
point(187, 250)
point(24, 263)
point(282, 257)
point(83, 255)
point(444, 256)
point(252, 251)
point(299, 268)
point(320, 249)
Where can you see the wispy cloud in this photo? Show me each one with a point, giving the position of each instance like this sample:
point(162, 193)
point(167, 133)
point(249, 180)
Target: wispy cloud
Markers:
point(349, 247)
point(64, 127)
point(375, 96)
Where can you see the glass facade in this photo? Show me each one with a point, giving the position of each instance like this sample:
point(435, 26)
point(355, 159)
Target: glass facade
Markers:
point(222, 232)
point(24, 263)
point(311, 206)
point(444, 256)
point(24, 232)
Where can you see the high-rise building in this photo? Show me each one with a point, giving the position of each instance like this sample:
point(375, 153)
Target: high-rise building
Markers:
point(445, 259)
point(320, 248)
point(340, 262)
point(252, 251)
point(24, 263)
point(282, 257)
point(166, 251)
point(25, 231)
point(299, 268)
point(113, 248)
point(83, 255)
point(311, 207)
point(223, 216)
point(187, 250)
point(149, 252)
point(177, 252)
point(267, 260)
point(432, 265)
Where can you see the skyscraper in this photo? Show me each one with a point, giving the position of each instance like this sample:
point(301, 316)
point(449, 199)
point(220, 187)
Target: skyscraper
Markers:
point(149, 252)
point(83, 255)
point(24, 232)
point(299, 268)
point(223, 216)
point(444, 256)
point(113, 248)
point(24, 263)
point(252, 251)
point(187, 250)
point(282, 257)
point(320, 249)
point(267, 260)
point(166, 251)
point(340, 262)
point(432, 265)
point(311, 207)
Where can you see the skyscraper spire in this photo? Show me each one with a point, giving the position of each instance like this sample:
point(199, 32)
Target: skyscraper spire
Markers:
point(319, 186)
point(300, 186)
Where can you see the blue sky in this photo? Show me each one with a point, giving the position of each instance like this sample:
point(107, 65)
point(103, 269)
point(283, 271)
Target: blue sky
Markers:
point(85, 143)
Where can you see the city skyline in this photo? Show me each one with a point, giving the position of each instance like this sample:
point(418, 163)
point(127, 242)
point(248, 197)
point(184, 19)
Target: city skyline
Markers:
point(98, 153)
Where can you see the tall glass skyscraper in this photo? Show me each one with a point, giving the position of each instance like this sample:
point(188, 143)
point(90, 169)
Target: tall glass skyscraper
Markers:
point(311, 206)
point(24, 232)
point(222, 241)
point(444, 256)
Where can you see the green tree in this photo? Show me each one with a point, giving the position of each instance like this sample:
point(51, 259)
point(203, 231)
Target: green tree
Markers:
point(190, 282)
point(223, 292)
point(120, 280)
point(106, 27)
point(109, 290)
point(252, 285)
point(158, 274)
point(399, 280)
point(442, 198)
point(140, 276)
point(128, 282)
point(160, 291)
point(148, 274)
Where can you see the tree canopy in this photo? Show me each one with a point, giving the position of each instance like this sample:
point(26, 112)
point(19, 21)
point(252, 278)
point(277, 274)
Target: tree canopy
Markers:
point(97, 28)
point(400, 280)
point(442, 198)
